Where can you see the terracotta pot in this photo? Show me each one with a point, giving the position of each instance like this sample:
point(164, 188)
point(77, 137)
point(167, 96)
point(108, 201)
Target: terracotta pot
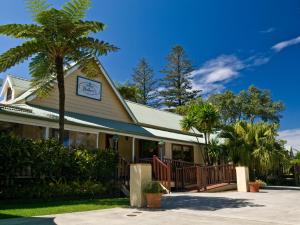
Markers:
point(153, 200)
point(254, 187)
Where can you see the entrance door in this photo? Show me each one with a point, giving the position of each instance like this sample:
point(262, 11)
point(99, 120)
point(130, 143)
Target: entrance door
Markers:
point(148, 149)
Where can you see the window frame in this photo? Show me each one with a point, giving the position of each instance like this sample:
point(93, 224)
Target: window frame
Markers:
point(191, 147)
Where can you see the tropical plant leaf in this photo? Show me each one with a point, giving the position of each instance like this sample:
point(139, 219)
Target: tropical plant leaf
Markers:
point(94, 46)
point(76, 9)
point(20, 30)
point(18, 54)
point(37, 6)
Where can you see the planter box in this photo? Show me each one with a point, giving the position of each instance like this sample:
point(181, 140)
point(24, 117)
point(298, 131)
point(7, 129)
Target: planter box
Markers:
point(153, 200)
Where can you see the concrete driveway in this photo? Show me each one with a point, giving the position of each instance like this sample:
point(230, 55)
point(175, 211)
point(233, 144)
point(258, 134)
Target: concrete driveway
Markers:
point(277, 205)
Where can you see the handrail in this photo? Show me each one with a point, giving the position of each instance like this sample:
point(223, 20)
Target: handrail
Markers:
point(162, 172)
point(203, 176)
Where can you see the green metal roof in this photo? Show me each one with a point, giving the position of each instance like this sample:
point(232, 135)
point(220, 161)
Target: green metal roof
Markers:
point(19, 82)
point(97, 122)
point(157, 118)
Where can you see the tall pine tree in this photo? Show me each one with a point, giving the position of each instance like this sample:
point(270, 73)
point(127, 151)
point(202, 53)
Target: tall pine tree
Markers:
point(176, 85)
point(143, 79)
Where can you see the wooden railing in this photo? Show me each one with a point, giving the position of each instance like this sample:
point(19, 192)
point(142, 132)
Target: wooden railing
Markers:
point(187, 175)
point(124, 172)
point(177, 163)
point(219, 174)
point(202, 176)
point(161, 172)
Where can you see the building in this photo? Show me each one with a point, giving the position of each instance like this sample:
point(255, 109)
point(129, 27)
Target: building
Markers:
point(97, 117)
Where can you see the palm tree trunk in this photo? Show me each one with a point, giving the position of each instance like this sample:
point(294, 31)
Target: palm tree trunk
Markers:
point(206, 149)
point(61, 92)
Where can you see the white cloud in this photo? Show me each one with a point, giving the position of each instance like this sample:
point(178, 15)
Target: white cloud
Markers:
point(269, 30)
point(212, 76)
point(282, 45)
point(292, 137)
point(215, 73)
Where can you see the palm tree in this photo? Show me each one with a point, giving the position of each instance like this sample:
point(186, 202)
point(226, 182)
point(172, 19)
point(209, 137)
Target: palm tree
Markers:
point(203, 117)
point(129, 92)
point(255, 146)
point(58, 38)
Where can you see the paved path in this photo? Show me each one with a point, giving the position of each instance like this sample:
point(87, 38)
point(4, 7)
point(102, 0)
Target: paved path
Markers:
point(276, 206)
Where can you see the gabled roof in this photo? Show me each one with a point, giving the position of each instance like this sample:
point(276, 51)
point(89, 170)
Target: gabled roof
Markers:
point(145, 116)
point(19, 82)
point(18, 85)
point(30, 93)
point(156, 118)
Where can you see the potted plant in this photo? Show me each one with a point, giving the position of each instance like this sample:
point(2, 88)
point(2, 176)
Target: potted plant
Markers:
point(153, 191)
point(254, 186)
point(261, 184)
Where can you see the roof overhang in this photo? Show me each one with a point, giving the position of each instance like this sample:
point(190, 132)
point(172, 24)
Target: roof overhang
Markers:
point(42, 117)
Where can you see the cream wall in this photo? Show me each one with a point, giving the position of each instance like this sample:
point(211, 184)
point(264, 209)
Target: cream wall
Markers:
point(101, 140)
point(197, 154)
point(168, 150)
point(125, 147)
point(109, 107)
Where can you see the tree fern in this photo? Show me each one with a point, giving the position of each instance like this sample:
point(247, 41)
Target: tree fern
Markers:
point(59, 38)
point(37, 6)
point(76, 9)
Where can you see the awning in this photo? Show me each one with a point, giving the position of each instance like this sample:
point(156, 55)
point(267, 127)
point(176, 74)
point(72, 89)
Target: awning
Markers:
point(102, 124)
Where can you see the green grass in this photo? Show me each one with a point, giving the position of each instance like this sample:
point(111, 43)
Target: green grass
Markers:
point(36, 208)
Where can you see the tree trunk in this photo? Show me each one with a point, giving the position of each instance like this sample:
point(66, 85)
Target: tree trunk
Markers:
point(206, 149)
point(61, 91)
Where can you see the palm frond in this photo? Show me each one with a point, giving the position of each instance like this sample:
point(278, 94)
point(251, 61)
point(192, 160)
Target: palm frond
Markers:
point(90, 67)
point(83, 28)
point(18, 54)
point(42, 71)
point(76, 9)
point(20, 30)
point(94, 46)
point(43, 85)
point(37, 6)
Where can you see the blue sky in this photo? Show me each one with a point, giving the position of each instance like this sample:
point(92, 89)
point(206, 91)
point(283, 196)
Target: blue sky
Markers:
point(232, 44)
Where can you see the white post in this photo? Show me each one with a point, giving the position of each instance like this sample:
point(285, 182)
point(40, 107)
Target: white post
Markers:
point(140, 175)
point(133, 149)
point(242, 178)
point(97, 141)
point(47, 133)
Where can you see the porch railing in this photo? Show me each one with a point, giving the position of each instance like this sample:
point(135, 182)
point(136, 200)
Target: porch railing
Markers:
point(161, 172)
point(124, 172)
point(201, 177)
point(186, 175)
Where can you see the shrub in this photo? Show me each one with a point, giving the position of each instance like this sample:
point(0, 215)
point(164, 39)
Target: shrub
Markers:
point(51, 170)
point(153, 187)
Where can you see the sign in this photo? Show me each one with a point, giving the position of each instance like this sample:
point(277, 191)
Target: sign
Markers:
point(89, 88)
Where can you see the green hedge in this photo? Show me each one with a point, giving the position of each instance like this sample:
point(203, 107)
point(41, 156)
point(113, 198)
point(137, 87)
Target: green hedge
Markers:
point(46, 169)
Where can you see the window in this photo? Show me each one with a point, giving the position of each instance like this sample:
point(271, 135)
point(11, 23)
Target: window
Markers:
point(148, 149)
point(76, 139)
point(8, 94)
point(112, 142)
point(183, 152)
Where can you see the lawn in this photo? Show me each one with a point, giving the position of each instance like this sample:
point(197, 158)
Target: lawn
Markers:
point(36, 208)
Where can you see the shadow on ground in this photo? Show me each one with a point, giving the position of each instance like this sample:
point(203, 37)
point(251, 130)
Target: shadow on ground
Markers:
point(287, 188)
point(204, 203)
point(27, 220)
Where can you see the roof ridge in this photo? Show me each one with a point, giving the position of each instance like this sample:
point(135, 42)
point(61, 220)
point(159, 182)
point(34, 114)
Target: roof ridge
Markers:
point(150, 107)
point(18, 77)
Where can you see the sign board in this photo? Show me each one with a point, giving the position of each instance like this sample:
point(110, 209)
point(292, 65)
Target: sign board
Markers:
point(89, 88)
